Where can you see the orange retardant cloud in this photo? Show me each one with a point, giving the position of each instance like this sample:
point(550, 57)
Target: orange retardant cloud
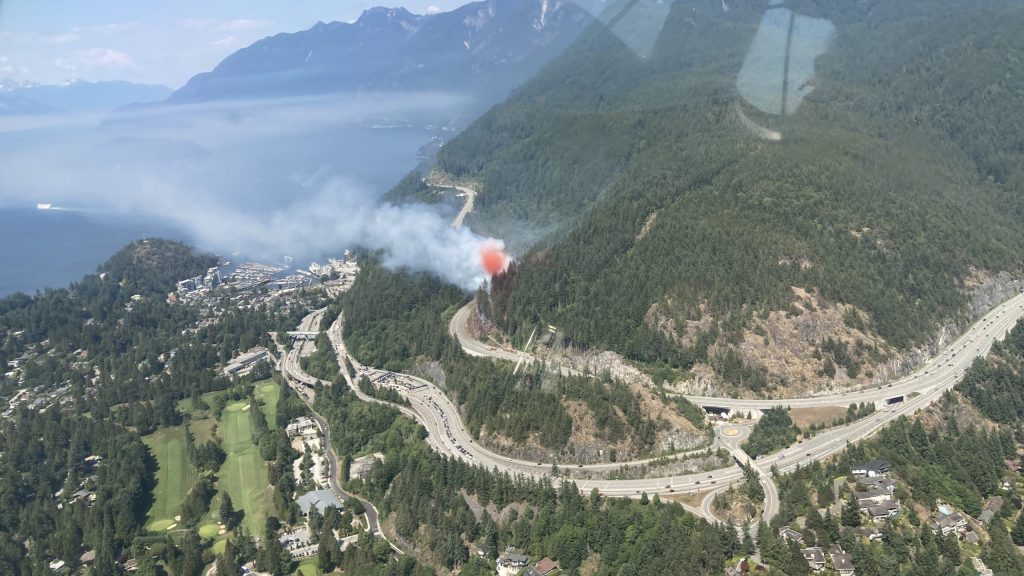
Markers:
point(493, 259)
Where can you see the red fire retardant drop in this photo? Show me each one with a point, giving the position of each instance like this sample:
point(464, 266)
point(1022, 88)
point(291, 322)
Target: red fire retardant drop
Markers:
point(493, 260)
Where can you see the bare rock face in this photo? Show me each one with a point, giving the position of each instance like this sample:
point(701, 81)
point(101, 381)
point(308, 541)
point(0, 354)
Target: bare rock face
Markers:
point(430, 370)
point(989, 290)
point(986, 291)
point(785, 344)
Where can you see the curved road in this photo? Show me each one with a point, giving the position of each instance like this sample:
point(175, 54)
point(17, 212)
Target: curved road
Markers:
point(447, 434)
point(467, 206)
point(293, 371)
point(914, 392)
point(953, 359)
point(430, 406)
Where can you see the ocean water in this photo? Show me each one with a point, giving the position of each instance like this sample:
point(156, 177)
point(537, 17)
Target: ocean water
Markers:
point(40, 249)
point(50, 248)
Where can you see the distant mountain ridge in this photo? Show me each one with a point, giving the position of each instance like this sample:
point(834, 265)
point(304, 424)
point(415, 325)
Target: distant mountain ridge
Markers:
point(74, 96)
point(486, 48)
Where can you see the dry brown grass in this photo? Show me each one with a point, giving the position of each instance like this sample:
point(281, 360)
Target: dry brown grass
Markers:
point(803, 418)
point(690, 499)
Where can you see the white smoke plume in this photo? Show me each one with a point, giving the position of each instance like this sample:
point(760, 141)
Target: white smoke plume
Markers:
point(225, 176)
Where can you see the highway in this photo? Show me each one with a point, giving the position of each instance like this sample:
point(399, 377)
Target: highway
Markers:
point(909, 395)
point(294, 371)
point(458, 328)
point(953, 359)
point(467, 206)
point(447, 433)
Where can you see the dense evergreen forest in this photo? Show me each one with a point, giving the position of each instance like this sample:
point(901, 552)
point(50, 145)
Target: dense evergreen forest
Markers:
point(993, 384)
point(930, 462)
point(624, 182)
point(426, 498)
point(440, 509)
point(899, 173)
point(774, 430)
point(432, 503)
point(118, 357)
point(399, 321)
point(43, 456)
point(120, 323)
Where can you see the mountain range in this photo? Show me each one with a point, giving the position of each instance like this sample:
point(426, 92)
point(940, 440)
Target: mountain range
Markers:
point(76, 96)
point(484, 48)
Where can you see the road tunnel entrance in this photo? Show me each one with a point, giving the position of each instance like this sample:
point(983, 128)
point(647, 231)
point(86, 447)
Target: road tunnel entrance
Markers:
point(717, 412)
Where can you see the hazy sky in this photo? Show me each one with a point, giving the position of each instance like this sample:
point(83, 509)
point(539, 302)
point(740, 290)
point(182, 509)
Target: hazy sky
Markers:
point(157, 41)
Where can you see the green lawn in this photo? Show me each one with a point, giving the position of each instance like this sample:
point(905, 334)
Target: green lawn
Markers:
point(309, 567)
point(174, 477)
point(268, 393)
point(244, 474)
point(186, 404)
point(202, 429)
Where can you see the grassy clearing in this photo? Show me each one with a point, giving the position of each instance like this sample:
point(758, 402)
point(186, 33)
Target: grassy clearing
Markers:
point(175, 476)
point(268, 393)
point(185, 406)
point(203, 429)
point(209, 530)
point(309, 567)
point(803, 418)
point(244, 474)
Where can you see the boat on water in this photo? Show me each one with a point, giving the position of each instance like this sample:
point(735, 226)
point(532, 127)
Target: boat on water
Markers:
point(44, 206)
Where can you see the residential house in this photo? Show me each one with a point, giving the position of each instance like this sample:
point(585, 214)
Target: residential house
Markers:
point(745, 567)
point(513, 558)
point(546, 566)
point(815, 558)
point(878, 483)
point(870, 533)
point(980, 567)
point(87, 557)
point(871, 469)
point(884, 511)
point(842, 563)
point(872, 497)
point(947, 522)
point(788, 533)
point(992, 506)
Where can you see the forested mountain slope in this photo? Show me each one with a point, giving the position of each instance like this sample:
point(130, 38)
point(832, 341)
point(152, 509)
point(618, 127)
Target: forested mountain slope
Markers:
point(895, 183)
point(484, 48)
